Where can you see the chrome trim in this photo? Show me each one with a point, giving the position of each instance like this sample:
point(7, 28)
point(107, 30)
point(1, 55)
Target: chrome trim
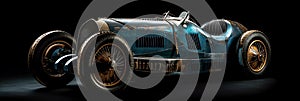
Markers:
point(68, 62)
point(61, 58)
point(144, 65)
point(208, 56)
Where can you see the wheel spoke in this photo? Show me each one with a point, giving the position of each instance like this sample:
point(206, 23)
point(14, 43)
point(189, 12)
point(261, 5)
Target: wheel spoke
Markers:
point(116, 64)
point(256, 55)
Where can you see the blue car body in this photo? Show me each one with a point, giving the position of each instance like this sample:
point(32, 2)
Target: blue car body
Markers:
point(165, 38)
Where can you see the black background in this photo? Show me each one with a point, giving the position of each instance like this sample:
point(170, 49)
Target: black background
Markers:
point(24, 21)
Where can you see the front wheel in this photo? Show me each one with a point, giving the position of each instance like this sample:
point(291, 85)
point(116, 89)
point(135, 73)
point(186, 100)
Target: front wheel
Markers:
point(104, 63)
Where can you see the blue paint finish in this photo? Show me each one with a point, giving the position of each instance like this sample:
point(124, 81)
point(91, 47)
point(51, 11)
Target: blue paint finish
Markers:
point(194, 29)
point(233, 39)
point(191, 28)
point(133, 29)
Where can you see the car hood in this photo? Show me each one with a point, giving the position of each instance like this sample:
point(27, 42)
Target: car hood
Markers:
point(145, 35)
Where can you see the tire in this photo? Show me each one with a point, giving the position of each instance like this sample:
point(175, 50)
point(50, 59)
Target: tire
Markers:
point(96, 63)
point(91, 73)
point(256, 53)
point(42, 56)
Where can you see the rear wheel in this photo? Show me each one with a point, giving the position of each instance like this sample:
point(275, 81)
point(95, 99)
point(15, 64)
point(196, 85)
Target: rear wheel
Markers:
point(42, 57)
point(256, 53)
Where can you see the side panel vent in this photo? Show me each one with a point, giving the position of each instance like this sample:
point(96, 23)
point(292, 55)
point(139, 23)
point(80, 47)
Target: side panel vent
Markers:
point(150, 41)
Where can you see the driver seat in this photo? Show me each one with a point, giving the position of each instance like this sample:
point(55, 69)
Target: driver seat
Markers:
point(215, 27)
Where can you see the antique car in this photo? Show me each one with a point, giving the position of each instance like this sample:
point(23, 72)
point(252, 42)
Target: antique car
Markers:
point(116, 46)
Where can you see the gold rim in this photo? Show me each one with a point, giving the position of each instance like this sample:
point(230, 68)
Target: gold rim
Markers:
point(257, 56)
point(110, 60)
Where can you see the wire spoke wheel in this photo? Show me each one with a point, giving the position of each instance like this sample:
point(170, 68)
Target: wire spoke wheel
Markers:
point(110, 61)
point(257, 55)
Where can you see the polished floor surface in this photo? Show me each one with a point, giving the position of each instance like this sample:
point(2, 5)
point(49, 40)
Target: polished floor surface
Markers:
point(25, 88)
